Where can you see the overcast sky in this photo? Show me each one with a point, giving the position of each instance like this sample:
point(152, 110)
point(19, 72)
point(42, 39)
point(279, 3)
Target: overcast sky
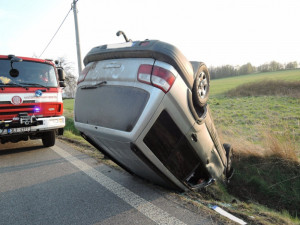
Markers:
point(217, 32)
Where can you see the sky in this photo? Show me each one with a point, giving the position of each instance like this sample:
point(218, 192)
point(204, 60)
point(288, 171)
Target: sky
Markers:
point(217, 32)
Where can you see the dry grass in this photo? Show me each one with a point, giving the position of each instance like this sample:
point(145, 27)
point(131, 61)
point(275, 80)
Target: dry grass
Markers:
point(281, 149)
point(273, 146)
point(279, 145)
point(268, 174)
point(267, 88)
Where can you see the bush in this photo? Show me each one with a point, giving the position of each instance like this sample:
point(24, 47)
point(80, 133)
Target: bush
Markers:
point(267, 88)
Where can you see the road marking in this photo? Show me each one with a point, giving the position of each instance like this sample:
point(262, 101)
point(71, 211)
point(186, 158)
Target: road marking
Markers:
point(148, 209)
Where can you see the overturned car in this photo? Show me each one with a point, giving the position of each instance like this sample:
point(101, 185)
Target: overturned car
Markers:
point(144, 105)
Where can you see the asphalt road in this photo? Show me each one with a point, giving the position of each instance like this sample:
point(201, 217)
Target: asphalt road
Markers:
point(60, 185)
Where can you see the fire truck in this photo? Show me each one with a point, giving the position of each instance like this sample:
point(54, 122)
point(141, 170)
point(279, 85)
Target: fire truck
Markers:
point(31, 105)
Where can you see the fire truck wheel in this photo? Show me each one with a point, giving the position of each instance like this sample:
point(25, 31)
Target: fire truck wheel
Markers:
point(49, 139)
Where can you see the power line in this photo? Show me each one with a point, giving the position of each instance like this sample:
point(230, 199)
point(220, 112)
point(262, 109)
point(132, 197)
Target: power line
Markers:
point(56, 32)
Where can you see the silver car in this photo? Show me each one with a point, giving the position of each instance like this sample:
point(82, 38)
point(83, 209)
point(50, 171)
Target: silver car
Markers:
point(144, 105)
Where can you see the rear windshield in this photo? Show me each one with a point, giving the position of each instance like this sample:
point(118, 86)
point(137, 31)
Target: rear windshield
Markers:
point(27, 73)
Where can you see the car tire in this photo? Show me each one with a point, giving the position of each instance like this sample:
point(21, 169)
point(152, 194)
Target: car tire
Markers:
point(229, 156)
point(201, 84)
point(48, 139)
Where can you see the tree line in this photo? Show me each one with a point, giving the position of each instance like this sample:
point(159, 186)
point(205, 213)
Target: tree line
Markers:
point(215, 72)
point(230, 71)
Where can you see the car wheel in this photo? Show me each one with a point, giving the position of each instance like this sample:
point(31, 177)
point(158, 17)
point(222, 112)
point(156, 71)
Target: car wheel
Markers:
point(229, 156)
point(48, 139)
point(201, 86)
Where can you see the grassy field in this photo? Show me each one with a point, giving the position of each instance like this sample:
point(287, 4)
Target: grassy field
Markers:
point(265, 133)
point(220, 86)
point(68, 108)
point(252, 117)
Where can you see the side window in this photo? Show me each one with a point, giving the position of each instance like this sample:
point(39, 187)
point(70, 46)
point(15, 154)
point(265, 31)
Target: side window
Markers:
point(52, 77)
point(171, 147)
point(46, 76)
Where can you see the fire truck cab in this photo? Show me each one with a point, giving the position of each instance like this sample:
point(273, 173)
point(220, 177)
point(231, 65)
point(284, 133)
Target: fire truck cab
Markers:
point(31, 105)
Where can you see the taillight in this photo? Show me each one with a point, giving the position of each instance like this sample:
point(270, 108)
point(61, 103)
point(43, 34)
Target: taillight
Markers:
point(156, 76)
point(144, 73)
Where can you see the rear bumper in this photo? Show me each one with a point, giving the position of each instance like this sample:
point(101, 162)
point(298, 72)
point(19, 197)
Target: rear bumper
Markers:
point(44, 124)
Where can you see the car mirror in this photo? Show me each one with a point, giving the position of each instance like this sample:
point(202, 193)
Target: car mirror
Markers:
point(62, 84)
point(61, 74)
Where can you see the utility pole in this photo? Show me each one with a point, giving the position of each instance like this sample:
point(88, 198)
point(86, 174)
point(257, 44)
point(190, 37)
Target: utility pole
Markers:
point(77, 36)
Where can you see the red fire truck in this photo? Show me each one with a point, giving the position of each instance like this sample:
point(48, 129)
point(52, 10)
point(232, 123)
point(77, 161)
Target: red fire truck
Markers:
point(31, 105)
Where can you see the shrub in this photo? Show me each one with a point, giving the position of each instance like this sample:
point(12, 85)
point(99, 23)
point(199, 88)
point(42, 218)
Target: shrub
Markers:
point(267, 88)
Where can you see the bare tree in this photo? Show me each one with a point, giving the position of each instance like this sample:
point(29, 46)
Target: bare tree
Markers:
point(71, 80)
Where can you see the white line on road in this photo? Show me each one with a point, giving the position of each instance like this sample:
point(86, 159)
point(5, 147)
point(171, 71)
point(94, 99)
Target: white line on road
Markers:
point(148, 209)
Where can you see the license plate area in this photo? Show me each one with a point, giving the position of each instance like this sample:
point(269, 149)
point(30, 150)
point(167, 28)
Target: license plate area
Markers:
point(17, 130)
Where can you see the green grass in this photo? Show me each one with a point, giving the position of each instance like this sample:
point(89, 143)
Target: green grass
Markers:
point(69, 104)
point(71, 127)
point(251, 117)
point(220, 86)
point(70, 130)
point(68, 108)
point(270, 181)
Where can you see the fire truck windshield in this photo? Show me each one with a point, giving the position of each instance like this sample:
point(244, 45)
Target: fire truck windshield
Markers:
point(29, 74)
